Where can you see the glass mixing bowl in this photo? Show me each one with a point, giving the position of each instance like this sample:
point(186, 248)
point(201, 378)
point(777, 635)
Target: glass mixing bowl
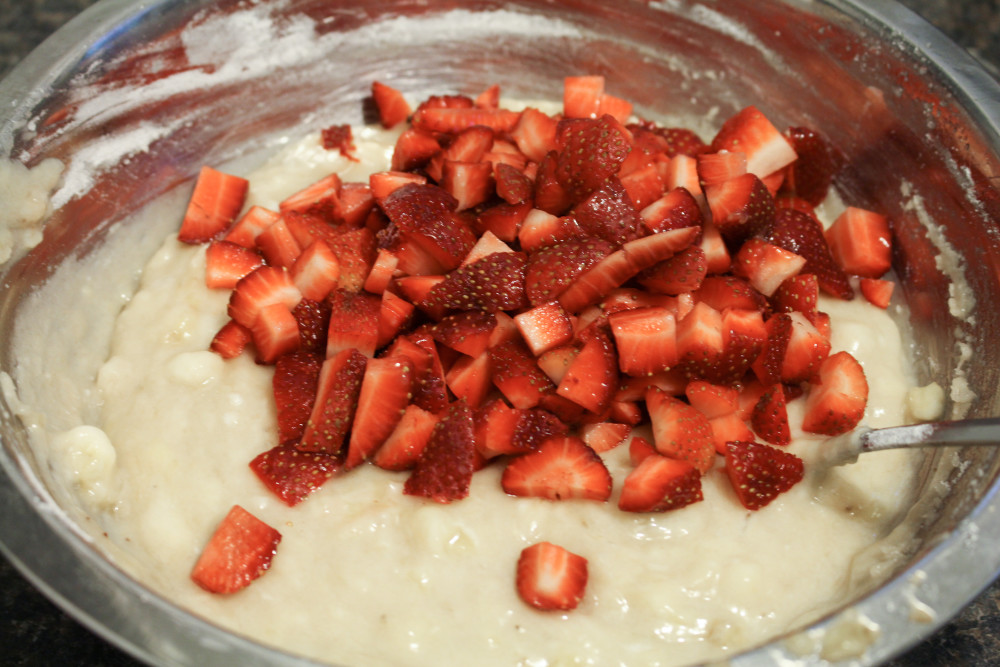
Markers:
point(133, 100)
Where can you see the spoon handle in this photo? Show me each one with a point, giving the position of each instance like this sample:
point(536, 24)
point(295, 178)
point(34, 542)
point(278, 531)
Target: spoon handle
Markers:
point(933, 434)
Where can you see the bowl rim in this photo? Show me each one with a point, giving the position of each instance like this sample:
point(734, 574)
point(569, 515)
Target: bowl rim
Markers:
point(31, 525)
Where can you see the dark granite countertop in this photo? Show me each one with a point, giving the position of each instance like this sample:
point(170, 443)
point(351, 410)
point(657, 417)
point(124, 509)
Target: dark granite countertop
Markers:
point(33, 631)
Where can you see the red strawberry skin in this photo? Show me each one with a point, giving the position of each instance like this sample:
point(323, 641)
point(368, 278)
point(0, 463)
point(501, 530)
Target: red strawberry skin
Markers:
point(659, 484)
point(551, 270)
point(296, 376)
point(293, 475)
point(591, 151)
point(240, 551)
point(444, 471)
point(336, 401)
point(802, 234)
point(760, 473)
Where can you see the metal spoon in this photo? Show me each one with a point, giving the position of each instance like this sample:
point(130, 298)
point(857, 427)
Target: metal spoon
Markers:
point(977, 432)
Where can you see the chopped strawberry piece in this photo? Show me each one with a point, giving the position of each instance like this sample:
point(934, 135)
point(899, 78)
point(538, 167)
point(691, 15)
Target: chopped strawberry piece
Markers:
point(646, 339)
point(296, 376)
point(384, 183)
point(770, 417)
point(489, 98)
point(877, 291)
point(592, 377)
point(469, 380)
point(721, 292)
point(406, 443)
point(458, 119)
point(760, 473)
point(413, 149)
point(385, 392)
point(809, 177)
point(604, 436)
point(741, 208)
point(644, 185)
point(444, 470)
point(861, 242)
point(274, 332)
point(535, 134)
point(470, 183)
point(658, 484)
point(768, 365)
point(551, 270)
point(429, 390)
point(590, 152)
point(555, 363)
point(674, 140)
point(231, 340)
point(321, 198)
point(712, 400)
point(512, 185)
point(676, 209)
point(550, 578)
point(802, 234)
point(354, 247)
point(716, 168)
point(607, 212)
point(214, 205)
point(354, 320)
point(226, 263)
point(729, 428)
point(582, 96)
point(316, 271)
point(517, 375)
point(392, 106)
point(750, 132)
point(382, 271)
point(639, 449)
point(339, 138)
point(467, 332)
point(336, 401)
point(836, 401)
point(244, 231)
point(503, 219)
point(744, 335)
point(700, 341)
point(765, 265)
point(239, 551)
point(541, 230)
point(427, 214)
point(278, 245)
point(621, 265)
point(495, 282)
point(487, 244)
point(551, 195)
point(680, 431)
point(292, 474)
point(684, 272)
point(313, 318)
point(544, 327)
point(798, 293)
point(716, 253)
point(561, 468)
point(495, 423)
point(532, 428)
point(394, 315)
point(806, 350)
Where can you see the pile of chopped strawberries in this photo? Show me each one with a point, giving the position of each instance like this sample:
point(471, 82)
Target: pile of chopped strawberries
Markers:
point(524, 290)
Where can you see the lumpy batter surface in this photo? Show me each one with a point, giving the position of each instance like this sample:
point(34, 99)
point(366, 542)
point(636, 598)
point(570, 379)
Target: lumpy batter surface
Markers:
point(367, 575)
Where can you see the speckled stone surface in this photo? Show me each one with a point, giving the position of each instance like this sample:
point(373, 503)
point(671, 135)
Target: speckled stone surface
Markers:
point(33, 631)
